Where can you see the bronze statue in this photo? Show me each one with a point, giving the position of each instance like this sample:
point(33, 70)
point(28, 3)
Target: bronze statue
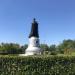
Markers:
point(34, 29)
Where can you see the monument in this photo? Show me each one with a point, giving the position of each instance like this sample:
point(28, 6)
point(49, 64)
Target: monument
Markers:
point(34, 46)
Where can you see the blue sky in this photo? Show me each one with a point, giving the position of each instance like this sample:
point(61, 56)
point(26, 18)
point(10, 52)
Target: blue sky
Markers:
point(56, 20)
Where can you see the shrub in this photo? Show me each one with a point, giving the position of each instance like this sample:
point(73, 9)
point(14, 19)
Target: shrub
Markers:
point(53, 53)
point(37, 65)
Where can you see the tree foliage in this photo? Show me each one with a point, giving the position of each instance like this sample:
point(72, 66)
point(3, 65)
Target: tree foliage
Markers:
point(67, 47)
point(12, 48)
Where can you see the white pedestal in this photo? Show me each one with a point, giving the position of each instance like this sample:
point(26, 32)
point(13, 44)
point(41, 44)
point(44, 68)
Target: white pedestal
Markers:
point(33, 47)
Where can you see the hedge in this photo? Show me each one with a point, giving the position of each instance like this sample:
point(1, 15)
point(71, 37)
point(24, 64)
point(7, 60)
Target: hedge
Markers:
point(37, 65)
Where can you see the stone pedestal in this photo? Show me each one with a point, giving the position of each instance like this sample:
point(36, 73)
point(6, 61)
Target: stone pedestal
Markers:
point(33, 47)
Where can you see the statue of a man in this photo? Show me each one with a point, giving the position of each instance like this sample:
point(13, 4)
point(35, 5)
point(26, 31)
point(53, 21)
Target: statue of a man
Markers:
point(34, 29)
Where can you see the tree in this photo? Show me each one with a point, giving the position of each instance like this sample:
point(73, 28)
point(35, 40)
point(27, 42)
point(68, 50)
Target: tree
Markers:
point(10, 48)
point(67, 46)
point(45, 48)
point(53, 49)
point(23, 48)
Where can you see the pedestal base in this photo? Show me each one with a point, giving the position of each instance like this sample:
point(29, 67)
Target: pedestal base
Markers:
point(32, 51)
point(33, 47)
